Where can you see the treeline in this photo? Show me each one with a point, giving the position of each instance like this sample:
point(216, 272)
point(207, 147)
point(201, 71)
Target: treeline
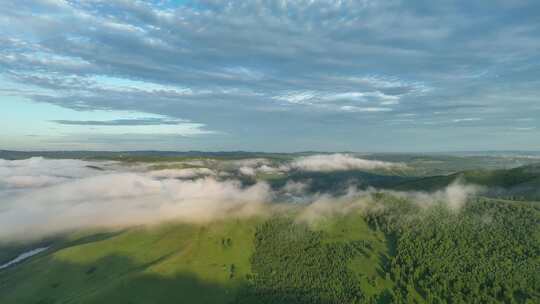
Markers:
point(486, 253)
point(291, 265)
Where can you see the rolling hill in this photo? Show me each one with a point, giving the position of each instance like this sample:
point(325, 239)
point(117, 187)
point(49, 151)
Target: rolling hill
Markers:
point(522, 183)
point(393, 252)
point(207, 263)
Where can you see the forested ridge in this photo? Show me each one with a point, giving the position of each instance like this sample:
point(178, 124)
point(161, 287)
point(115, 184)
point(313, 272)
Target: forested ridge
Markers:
point(488, 252)
point(291, 265)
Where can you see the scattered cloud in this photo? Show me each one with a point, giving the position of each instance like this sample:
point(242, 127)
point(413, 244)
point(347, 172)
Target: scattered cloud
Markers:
point(151, 121)
point(118, 197)
point(249, 171)
point(63, 195)
point(187, 173)
point(336, 162)
point(258, 69)
point(524, 128)
point(323, 205)
point(313, 163)
point(364, 109)
point(466, 119)
point(454, 196)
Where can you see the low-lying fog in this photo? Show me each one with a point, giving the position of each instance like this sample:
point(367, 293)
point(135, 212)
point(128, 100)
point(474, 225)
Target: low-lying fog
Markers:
point(41, 197)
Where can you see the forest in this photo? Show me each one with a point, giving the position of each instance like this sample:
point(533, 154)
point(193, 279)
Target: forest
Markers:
point(486, 253)
point(291, 265)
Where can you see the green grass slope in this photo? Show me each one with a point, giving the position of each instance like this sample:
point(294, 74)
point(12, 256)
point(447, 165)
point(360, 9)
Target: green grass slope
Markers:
point(178, 263)
point(394, 251)
point(172, 263)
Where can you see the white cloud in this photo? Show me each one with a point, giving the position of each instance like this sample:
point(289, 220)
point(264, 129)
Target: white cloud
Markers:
point(332, 100)
point(38, 172)
point(267, 169)
point(117, 198)
point(332, 63)
point(251, 162)
point(249, 171)
point(182, 173)
point(305, 97)
point(31, 181)
point(466, 119)
point(253, 166)
point(335, 162)
point(452, 197)
point(364, 109)
point(122, 196)
point(318, 162)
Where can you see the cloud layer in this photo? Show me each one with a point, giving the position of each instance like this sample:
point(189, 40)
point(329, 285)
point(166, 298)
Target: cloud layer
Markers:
point(281, 75)
point(117, 197)
point(314, 163)
point(42, 197)
point(338, 162)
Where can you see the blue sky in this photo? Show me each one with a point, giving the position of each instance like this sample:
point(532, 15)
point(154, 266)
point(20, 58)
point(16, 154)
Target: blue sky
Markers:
point(270, 75)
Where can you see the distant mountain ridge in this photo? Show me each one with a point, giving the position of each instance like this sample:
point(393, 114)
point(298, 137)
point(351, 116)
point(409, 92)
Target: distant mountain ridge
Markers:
point(521, 183)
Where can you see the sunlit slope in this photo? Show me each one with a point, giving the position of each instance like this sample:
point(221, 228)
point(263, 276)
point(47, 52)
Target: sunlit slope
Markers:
point(392, 251)
point(193, 263)
point(182, 263)
point(370, 265)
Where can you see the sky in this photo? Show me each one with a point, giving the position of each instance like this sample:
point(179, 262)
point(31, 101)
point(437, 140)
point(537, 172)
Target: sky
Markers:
point(365, 75)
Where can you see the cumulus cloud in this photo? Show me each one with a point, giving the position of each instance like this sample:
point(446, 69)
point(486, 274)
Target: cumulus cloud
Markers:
point(254, 166)
point(265, 169)
point(336, 162)
point(249, 171)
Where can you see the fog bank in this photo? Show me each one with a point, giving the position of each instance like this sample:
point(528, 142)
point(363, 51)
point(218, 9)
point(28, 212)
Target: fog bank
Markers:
point(41, 197)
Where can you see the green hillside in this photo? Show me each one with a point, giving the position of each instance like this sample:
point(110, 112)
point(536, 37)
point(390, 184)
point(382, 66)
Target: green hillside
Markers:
point(393, 251)
point(522, 183)
point(204, 263)
point(207, 263)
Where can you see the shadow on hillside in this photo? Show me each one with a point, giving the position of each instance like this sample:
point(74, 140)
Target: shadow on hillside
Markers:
point(9, 251)
point(112, 279)
point(291, 297)
point(117, 279)
point(298, 296)
point(96, 237)
point(339, 181)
